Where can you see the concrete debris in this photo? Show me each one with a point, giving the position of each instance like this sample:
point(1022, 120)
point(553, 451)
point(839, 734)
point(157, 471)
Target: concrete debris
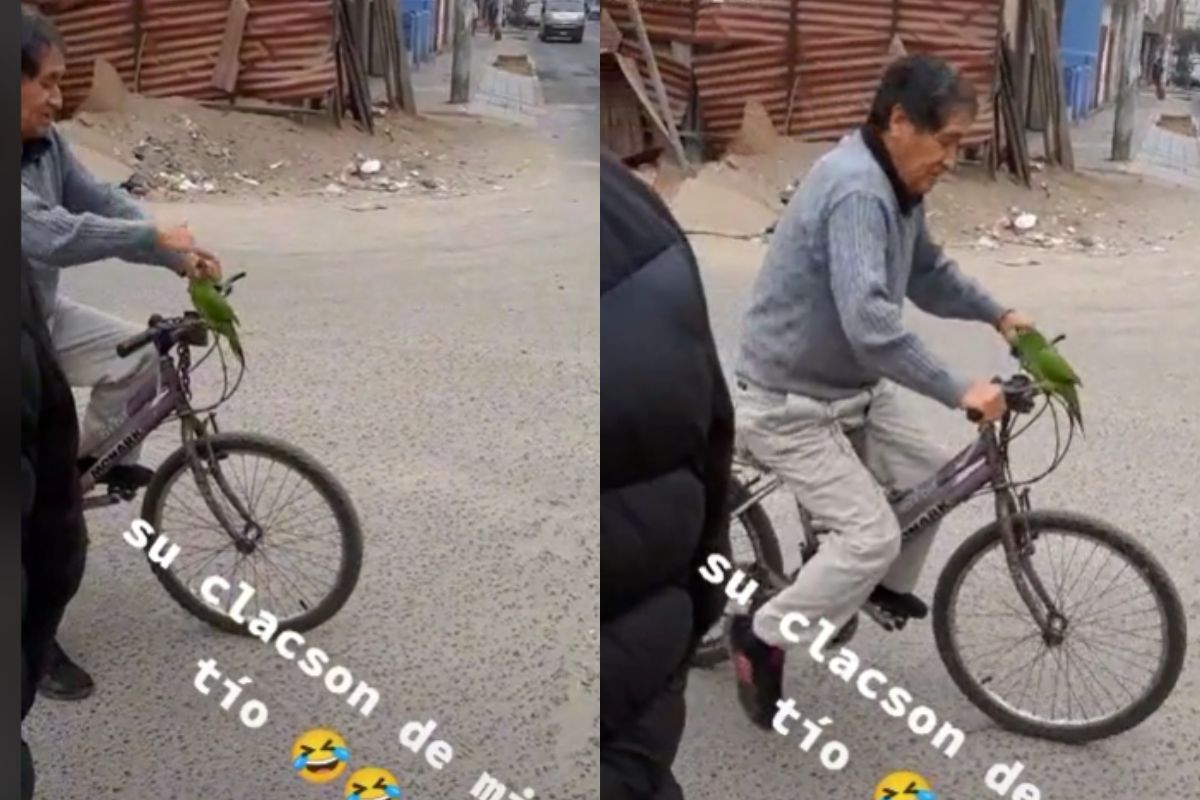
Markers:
point(1024, 221)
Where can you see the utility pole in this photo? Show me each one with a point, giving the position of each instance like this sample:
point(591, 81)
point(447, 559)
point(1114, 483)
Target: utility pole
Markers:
point(460, 78)
point(1131, 12)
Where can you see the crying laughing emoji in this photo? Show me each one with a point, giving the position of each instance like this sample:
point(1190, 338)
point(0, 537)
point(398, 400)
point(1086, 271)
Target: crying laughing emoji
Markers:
point(320, 755)
point(372, 783)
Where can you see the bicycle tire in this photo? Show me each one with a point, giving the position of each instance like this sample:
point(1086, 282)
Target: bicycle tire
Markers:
point(1137, 556)
point(321, 479)
point(761, 534)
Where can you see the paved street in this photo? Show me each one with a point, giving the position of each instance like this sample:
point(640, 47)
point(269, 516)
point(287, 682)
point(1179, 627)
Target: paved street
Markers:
point(570, 78)
point(441, 358)
point(1130, 326)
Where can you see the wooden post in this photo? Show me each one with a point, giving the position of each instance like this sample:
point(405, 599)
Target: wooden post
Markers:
point(659, 89)
point(1021, 64)
point(460, 79)
point(1126, 114)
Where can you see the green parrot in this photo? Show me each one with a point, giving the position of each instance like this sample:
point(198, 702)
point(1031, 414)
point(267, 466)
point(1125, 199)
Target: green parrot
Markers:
point(216, 312)
point(1050, 370)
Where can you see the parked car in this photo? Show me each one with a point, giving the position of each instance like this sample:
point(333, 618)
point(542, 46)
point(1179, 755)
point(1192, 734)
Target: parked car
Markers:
point(563, 18)
point(527, 14)
point(593, 9)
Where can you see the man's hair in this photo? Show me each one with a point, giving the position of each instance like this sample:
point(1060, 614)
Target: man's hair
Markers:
point(38, 35)
point(927, 88)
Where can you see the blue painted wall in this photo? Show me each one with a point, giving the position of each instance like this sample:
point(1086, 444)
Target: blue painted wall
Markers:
point(1081, 31)
point(1080, 49)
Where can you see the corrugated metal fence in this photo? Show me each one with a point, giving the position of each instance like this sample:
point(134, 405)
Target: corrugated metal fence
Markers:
point(286, 55)
point(821, 58)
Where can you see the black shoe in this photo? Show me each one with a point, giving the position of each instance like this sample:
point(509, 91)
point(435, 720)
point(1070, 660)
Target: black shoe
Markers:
point(901, 605)
point(759, 670)
point(128, 476)
point(65, 680)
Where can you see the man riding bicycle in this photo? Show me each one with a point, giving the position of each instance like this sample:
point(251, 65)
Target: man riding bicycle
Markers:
point(824, 347)
point(68, 218)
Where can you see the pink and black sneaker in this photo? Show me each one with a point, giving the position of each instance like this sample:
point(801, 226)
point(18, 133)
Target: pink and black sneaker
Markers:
point(759, 670)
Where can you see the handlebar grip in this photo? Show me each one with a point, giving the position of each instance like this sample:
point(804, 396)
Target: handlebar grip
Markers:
point(135, 343)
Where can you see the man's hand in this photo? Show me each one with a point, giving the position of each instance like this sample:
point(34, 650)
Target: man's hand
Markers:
point(199, 264)
point(178, 239)
point(1013, 323)
point(986, 399)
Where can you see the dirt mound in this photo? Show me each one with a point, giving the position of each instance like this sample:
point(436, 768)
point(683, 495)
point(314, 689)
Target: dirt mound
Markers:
point(178, 149)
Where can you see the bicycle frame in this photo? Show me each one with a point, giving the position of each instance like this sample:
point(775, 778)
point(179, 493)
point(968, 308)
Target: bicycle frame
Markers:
point(154, 400)
point(158, 397)
point(972, 470)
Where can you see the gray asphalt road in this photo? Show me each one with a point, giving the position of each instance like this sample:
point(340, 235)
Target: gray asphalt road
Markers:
point(570, 78)
point(1131, 329)
point(441, 358)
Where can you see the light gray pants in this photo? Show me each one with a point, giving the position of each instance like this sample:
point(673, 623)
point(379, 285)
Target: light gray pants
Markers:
point(838, 457)
point(86, 342)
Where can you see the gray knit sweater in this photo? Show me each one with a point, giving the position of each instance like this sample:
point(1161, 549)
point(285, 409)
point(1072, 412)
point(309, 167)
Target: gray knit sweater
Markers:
point(825, 315)
point(68, 217)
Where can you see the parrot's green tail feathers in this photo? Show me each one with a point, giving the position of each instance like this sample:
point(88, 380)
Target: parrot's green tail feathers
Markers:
point(235, 344)
point(1070, 396)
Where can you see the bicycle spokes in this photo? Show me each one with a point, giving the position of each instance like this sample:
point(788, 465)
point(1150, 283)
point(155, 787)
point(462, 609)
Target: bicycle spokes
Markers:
point(1103, 639)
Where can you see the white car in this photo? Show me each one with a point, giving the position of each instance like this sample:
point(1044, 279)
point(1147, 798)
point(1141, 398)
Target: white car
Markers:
point(563, 18)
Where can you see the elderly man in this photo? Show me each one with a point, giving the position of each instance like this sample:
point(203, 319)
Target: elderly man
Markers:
point(69, 218)
point(824, 348)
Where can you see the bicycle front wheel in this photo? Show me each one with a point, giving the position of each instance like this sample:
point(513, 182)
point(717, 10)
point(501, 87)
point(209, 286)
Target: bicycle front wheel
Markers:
point(1117, 656)
point(300, 550)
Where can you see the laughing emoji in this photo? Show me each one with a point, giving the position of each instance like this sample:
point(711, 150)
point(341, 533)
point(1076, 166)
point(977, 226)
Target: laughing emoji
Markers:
point(372, 783)
point(904, 786)
point(320, 755)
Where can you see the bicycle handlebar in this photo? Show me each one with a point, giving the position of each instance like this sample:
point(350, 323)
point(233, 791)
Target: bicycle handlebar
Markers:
point(1018, 393)
point(178, 328)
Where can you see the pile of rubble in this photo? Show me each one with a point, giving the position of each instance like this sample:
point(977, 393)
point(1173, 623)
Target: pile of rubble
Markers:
point(177, 150)
point(1025, 228)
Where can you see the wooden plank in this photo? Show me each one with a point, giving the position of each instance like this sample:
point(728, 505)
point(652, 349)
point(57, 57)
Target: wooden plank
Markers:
point(355, 71)
point(385, 52)
point(225, 73)
point(635, 12)
point(402, 63)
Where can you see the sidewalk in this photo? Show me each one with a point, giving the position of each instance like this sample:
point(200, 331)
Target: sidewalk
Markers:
point(1158, 153)
point(495, 93)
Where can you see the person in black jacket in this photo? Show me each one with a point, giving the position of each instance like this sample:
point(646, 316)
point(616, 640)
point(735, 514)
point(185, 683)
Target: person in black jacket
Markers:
point(666, 431)
point(53, 536)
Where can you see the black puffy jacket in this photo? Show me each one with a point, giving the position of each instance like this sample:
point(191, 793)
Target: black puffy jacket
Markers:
point(666, 431)
point(53, 537)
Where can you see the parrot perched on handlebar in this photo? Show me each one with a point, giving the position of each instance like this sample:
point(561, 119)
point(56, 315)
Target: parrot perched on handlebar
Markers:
point(216, 312)
point(1050, 370)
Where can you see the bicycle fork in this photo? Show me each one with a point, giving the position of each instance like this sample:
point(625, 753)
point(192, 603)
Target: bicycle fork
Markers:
point(1018, 547)
point(195, 436)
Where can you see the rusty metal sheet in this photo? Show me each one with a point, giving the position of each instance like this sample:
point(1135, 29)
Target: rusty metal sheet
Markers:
point(842, 48)
point(286, 56)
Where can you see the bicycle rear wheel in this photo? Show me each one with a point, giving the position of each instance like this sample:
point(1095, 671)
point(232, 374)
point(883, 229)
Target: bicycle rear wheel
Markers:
point(307, 555)
point(1124, 635)
point(755, 550)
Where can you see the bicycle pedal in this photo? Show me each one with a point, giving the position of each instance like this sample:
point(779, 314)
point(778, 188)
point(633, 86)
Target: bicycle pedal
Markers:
point(885, 618)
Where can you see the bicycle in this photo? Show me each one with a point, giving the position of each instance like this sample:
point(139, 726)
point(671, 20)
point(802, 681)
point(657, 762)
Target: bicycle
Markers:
point(208, 455)
point(1019, 535)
